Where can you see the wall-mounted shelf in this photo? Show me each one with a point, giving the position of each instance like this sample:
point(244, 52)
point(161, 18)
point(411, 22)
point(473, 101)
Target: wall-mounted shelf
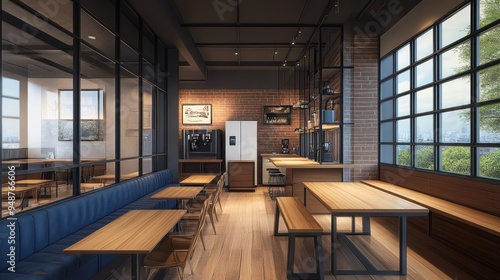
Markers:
point(277, 115)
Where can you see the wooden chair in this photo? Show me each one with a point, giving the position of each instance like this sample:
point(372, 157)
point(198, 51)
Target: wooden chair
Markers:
point(194, 208)
point(175, 250)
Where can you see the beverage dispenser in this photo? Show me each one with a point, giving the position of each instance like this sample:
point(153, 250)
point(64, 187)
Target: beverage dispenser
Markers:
point(198, 143)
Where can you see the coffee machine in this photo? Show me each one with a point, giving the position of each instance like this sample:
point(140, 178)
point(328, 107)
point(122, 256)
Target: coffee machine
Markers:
point(202, 144)
point(284, 146)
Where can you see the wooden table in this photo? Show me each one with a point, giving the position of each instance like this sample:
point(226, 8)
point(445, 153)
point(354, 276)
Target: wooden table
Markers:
point(136, 232)
point(197, 180)
point(7, 191)
point(357, 199)
point(111, 176)
point(35, 183)
point(177, 193)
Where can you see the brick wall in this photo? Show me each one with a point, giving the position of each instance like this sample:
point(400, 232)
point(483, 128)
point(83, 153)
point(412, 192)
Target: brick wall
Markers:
point(364, 108)
point(244, 105)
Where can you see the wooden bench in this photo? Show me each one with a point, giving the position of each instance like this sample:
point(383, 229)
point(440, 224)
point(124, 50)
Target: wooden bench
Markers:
point(481, 220)
point(300, 223)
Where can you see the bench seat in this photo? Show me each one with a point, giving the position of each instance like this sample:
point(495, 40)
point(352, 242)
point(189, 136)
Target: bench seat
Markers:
point(300, 223)
point(481, 220)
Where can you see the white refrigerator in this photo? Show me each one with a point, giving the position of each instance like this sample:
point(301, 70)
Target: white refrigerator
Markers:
point(241, 142)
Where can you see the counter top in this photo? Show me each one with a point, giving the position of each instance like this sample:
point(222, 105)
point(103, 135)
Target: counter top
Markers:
point(301, 162)
point(279, 155)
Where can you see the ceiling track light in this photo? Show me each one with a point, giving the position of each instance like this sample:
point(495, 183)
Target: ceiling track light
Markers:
point(275, 51)
point(235, 51)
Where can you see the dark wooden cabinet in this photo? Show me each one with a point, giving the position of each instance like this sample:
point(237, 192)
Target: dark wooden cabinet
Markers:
point(241, 175)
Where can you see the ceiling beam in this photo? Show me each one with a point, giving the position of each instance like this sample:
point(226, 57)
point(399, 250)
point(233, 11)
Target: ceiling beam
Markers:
point(253, 25)
point(247, 63)
point(256, 44)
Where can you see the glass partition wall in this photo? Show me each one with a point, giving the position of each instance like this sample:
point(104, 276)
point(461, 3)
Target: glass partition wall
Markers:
point(77, 99)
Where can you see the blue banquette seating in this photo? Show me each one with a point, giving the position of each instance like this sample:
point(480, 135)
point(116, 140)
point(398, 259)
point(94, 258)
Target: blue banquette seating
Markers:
point(43, 233)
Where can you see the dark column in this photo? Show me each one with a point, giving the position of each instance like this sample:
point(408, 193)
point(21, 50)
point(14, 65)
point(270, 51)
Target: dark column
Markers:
point(173, 112)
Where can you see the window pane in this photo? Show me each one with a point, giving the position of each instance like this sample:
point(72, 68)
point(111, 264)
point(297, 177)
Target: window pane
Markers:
point(455, 92)
point(147, 119)
point(10, 87)
point(387, 132)
point(129, 58)
point(403, 130)
point(101, 82)
point(424, 45)
point(386, 111)
point(489, 120)
point(403, 57)
point(10, 107)
point(488, 45)
point(386, 154)
point(147, 165)
point(129, 25)
point(489, 159)
point(489, 85)
point(386, 66)
point(103, 10)
point(129, 107)
point(148, 45)
point(424, 73)
point(424, 157)
point(455, 60)
point(488, 12)
point(97, 35)
point(386, 89)
point(403, 106)
point(129, 169)
point(424, 129)
point(425, 100)
point(10, 133)
point(455, 27)
point(89, 104)
point(455, 159)
point(403, 82)
point(65, 105)
point(455, 126)
point(61, 12)
point(403, 155)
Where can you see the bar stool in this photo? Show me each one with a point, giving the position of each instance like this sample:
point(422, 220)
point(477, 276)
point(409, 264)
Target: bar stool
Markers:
point(276, 181)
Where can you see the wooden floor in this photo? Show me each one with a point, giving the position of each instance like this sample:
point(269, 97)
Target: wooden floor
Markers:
point(245, 248)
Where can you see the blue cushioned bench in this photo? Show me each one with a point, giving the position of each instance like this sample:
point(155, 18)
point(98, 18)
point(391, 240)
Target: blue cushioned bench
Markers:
point(42, 234)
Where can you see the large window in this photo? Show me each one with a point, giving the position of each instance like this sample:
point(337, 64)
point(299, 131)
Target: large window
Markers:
point(445, 116)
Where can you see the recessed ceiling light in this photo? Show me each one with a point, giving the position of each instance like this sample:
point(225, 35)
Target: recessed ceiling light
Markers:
point(91, 37)
point(293, 43)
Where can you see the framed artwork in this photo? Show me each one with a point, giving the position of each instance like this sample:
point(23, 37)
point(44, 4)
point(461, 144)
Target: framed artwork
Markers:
point(197, 114)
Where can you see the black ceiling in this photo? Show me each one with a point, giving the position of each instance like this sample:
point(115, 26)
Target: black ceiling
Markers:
point(261, 31)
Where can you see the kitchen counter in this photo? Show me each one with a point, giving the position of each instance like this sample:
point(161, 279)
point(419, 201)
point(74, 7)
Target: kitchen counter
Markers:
point(267, 163)
point(299, 170)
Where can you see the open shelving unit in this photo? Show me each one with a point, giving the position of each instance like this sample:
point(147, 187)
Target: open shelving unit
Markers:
point(321, 98)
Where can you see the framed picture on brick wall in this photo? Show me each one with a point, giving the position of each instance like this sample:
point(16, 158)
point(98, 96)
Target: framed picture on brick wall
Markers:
point(197, 114)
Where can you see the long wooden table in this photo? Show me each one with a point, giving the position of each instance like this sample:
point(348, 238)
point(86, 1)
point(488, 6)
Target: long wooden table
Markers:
point(136, 232)
point(350, 199)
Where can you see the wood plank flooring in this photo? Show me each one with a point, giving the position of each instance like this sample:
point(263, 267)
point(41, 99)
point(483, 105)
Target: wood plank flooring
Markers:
point(245, 248)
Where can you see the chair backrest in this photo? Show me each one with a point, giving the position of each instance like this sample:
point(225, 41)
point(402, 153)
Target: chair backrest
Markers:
point(220, 185)
point(199, 226)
